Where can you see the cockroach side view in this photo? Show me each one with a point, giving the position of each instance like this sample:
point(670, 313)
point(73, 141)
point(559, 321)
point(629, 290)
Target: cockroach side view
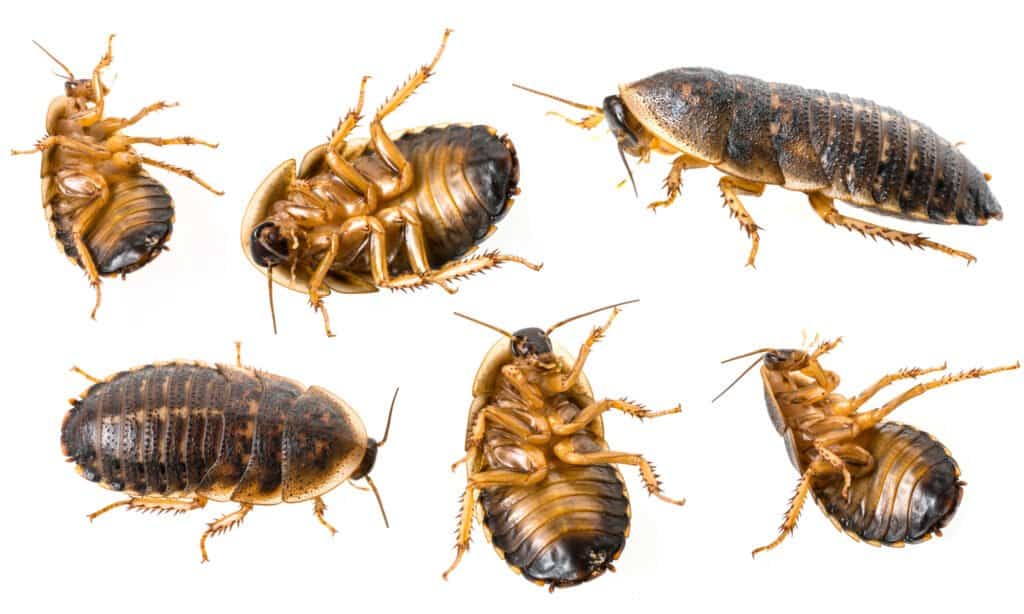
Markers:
point(394, 211)
point(104, 210)
point(175, 435)
point(881, 482)
point(539, 471)
point(829, 146)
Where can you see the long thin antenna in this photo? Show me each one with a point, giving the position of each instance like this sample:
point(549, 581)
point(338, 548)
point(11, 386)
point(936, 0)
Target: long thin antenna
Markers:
point(591, 312)
point(387, 427)
point(380, 503)
point(578, 105)
point(629, 172)
point(760, 351)
point(71, 75)
point(270, 296)
point(736, 381)
point(485, 324)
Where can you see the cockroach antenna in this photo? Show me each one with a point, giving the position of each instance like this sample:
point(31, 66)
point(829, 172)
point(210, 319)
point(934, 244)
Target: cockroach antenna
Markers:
point(70, 75)
point(761, 351)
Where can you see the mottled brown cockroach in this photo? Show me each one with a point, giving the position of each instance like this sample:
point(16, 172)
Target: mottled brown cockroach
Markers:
point(829, 146)
point(104, 210)
point(539, 472)
point(395, 211)
point(880, 482)
point(174, 435)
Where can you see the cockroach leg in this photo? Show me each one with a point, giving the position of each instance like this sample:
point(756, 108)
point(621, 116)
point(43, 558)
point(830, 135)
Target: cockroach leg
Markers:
point(792, 514)
point(868, 419)
point(415, 245)
point(91, 378)
point(317, 279)
point(508, 421)
point(465, 527)
point(342, 167)
point(150, 503)
point(177, 140)
point(64, 141)
point(588, 122)
point(565, 452)
point(416, 80)
point(674, 180)
point(854, 403)
point(223, 524)
point(90, 268)
point(833, 459)
point(570, 380)
point(180, 171)
point(461, 461)
point(731, 188)
point(825, 209)
point(462, 268)
point(115, 124)
point(319, 507)
point(583, 419)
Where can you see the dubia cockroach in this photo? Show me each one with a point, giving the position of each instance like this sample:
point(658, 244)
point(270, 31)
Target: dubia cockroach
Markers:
point(104, 210)
point(174, 435)
point(880, 482)
point(539, 471)
point(395, 211)
point(829, 146)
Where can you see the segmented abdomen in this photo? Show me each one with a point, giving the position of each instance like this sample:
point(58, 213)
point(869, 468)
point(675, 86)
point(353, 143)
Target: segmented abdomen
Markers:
point(563, 531)
point(856, 151)
point(465, 177)
point(181, 428)
point(912, 492)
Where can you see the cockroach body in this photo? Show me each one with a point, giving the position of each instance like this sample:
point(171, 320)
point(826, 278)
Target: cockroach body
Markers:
point(174, 435)
point(829, 146)
point(539, 472)
point(107, 214)
point(880, 482)
point(395, 211)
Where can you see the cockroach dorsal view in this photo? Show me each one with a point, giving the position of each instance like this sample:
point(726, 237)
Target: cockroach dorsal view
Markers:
point(828, 146)
point(105, 212)
point(331, 223)
point(535, 432)
point(227, 434)
point(853, 461)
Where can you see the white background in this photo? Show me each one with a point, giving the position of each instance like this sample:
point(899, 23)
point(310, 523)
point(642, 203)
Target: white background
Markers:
point(269, 82)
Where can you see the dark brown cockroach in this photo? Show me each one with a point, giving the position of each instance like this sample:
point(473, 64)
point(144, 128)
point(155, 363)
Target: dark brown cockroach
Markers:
point(829, 146)
point(104, 210)
point(538, 469)
point(174, 435)
point(881, 482)
point(395, 211)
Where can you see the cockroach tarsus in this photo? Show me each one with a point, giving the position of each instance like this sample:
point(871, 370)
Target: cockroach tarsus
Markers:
point(840, 449)
point(104, 210)
point(538, 469)
point(178, 434)
point(396, 211)
point(829, 146)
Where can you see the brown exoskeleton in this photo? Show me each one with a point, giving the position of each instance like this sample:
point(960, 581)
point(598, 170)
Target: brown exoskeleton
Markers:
point(828, 146)
point(881, 482)
point(105, 211)
point(538, 468)
point(397, 211)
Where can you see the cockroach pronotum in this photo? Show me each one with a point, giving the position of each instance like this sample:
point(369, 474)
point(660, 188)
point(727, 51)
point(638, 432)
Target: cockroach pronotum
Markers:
point(395, 211)
point(104, 210)
point(174, 435)
point(881, 482)
point(829, 146)
point(549, 497)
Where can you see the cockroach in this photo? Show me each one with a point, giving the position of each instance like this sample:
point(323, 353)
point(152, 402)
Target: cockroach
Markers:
point(828, 146)
point(175, 435)
point(104, 210)
point(881, 482)
point(395, 211)
point(539, 471)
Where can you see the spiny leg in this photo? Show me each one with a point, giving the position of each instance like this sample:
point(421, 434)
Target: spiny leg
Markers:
point(317, 280)
point(854, 403)
point(319, 507)
point(64, 141)
point(460, 269)
point(223, 524)
point(153, 504)
point(825, 209)
point(592, 411)
point(577, 368)
point(114, 124)
point(176, 140)
point(588, 122)
point(731, 188)
point(92, 115)
point(868, 419)
point(180, 171)
point(792, 514)
point(336, 146)
point(833, 459)
point(416, 80)
point(85, 256)
point(415, 245)
point(465, 528)
point(674, 180)
point(565, 452)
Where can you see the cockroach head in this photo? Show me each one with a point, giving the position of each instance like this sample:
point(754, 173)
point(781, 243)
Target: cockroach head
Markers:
point(786, 360)
point(269, 246)
point(530, 342)
point(629, 133)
